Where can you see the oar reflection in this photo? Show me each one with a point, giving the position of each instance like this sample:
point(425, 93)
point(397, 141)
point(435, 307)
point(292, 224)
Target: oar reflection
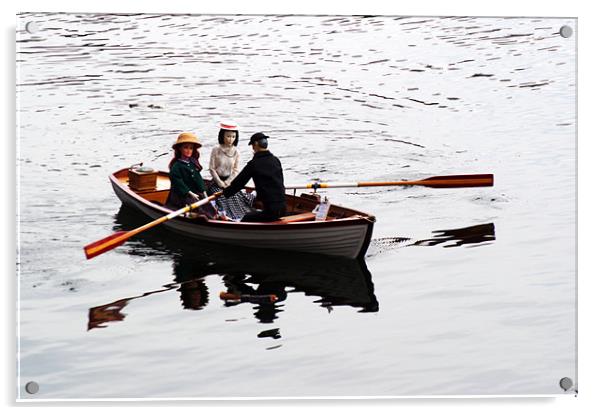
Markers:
point(470, 236)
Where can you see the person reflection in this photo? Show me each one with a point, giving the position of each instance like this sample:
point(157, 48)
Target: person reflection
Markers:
point(337, 282)
point(268, 296)
point(194, 294)
point(189, 282)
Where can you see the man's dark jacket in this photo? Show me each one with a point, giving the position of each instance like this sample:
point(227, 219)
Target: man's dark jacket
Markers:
point(266, 171)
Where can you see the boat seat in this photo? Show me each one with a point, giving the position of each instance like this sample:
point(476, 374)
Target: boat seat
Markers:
point(301, 217)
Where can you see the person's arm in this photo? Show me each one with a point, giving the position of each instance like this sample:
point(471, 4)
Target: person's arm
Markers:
point(235, 168)
point(213, 168)
point(240, 181)
point(177, 180)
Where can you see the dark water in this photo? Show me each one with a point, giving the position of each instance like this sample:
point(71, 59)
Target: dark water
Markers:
point(463, 291)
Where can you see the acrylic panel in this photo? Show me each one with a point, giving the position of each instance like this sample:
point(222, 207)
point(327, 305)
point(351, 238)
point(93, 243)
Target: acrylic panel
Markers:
point(447, 288)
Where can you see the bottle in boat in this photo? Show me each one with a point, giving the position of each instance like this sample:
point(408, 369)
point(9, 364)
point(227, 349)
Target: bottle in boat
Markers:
point(321, 210)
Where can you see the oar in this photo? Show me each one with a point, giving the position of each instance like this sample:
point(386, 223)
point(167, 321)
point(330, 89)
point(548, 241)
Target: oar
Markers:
point(462, 180)
point(113, 241)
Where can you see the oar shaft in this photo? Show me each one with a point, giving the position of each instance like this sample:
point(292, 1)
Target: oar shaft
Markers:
point(102, 246)
point(106, 244)
point(433, 183)
point(319, 185)
point(472, 180)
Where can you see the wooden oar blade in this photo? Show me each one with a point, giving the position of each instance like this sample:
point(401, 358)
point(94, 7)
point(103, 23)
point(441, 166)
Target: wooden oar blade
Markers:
point(461, 180)
point(105, 244)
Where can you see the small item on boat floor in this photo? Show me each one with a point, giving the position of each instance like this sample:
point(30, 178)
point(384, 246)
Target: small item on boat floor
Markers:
point(249, 298)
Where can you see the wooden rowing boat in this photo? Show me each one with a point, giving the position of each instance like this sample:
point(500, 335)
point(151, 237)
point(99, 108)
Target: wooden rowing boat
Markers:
point(345, 232)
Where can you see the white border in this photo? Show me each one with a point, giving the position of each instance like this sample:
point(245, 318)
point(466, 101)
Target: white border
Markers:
point(589, 188)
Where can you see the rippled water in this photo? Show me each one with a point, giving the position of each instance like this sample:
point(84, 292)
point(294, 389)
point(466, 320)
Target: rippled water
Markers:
point(463, 291)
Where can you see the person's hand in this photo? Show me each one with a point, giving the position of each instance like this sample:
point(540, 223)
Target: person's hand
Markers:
point(194, 196)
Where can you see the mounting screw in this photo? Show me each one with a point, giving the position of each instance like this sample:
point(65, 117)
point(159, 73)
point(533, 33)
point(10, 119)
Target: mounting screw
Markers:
point(566, 383)
point(566, 31)
point(32, 27)
point(32, 388)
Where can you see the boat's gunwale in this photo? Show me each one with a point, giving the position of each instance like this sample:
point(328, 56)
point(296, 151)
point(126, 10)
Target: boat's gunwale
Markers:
point(359, 217)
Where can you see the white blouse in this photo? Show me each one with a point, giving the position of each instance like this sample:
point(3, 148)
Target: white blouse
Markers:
point(224, 163)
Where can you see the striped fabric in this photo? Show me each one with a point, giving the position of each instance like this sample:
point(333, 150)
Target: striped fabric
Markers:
point(234, 207)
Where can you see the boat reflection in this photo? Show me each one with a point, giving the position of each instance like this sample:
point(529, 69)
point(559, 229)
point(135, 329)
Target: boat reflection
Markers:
point(249, 275)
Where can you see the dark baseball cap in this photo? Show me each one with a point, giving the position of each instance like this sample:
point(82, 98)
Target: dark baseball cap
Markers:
point(256, 137)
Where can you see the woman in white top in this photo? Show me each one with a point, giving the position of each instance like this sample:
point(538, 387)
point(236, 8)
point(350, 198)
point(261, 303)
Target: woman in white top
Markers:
point(223, 166)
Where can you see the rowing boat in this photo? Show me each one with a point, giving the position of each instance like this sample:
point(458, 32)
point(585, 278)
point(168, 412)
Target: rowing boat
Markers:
point(345, 232)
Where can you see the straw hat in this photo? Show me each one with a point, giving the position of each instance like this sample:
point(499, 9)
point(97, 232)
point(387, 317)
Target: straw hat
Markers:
point(187, 138)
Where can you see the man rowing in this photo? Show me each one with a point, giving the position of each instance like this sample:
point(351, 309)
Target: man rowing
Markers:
point(266, 171)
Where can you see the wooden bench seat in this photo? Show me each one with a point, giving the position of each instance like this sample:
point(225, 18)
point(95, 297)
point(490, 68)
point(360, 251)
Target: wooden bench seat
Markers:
point(301, 217)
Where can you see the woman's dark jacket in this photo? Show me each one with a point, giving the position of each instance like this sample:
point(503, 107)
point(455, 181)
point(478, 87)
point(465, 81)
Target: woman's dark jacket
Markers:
point(185, 177)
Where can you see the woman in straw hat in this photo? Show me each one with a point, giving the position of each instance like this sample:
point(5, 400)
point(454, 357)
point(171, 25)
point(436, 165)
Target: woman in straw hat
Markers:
point(223, 166)
point(187, 185)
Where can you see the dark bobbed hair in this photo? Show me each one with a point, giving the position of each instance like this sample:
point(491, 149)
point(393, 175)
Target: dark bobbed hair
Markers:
point(220, 136)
